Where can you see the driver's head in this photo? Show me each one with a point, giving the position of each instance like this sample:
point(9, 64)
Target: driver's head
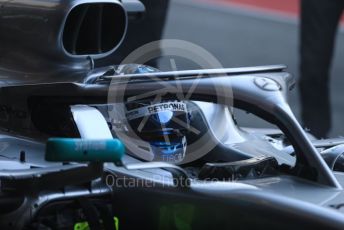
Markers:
point(162, 125)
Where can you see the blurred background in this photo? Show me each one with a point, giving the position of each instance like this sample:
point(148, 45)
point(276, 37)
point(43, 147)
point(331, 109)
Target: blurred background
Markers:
point(250, 33)
point(243, 33)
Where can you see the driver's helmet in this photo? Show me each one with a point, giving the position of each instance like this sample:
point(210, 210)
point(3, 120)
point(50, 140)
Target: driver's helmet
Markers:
point(155, 130)
point(162, 125)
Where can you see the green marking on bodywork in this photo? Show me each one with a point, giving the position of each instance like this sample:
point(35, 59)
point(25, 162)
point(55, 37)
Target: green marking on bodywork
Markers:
point(85, 226)
point(177, 216)
point(81, 226)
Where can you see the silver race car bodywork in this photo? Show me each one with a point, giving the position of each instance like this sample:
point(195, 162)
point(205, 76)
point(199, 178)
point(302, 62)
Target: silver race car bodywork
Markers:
point(249, 178)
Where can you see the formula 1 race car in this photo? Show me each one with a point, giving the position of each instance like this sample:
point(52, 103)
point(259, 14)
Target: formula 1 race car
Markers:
point(127, 146)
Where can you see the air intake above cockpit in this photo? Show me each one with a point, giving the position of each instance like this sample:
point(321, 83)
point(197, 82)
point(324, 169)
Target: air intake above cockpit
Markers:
point(94, 28)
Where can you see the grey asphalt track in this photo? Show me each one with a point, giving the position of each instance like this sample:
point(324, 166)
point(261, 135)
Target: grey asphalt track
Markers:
point(242, 38)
